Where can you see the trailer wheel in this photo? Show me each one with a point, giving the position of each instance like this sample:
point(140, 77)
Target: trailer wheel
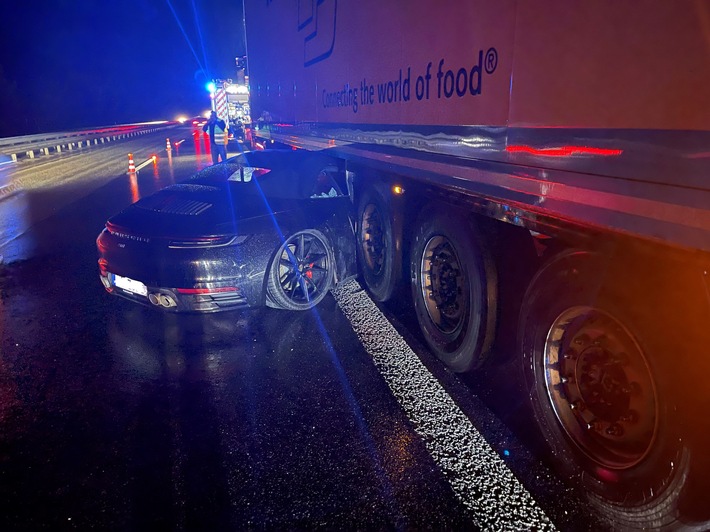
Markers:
point(380, 261)
point(595, 392)
point(454, 290)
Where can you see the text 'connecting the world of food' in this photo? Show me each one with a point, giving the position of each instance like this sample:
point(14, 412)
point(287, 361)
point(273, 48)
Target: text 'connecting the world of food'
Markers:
point(438, 80)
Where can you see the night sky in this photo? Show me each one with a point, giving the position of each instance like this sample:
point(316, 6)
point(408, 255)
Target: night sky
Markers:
point(67, 64)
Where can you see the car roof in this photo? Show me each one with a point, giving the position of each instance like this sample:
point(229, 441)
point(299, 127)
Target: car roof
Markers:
point(292, 174)
point(273, 159)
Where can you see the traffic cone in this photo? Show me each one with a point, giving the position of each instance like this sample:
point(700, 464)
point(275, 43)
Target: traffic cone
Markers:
point(167, 145)
point(131, 164)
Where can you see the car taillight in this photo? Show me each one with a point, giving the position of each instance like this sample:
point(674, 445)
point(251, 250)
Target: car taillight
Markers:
point(100, 240)
point(206, 241)
point(203, 241)
point(195, 291)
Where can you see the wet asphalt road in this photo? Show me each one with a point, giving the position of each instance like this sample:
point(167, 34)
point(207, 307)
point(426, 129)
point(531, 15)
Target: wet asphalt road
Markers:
point(117, 416)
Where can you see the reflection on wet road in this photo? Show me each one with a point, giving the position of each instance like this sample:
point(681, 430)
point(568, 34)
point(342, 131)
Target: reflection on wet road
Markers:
point(122, 416)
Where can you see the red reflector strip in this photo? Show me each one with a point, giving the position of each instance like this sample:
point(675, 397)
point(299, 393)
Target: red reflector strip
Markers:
point(563, 151)
point(207, 290)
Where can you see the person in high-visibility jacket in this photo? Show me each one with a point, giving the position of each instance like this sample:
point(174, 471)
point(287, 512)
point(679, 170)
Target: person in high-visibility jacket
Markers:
point(218, 137)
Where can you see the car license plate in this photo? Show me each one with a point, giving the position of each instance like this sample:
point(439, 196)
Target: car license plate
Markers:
point(130, 285)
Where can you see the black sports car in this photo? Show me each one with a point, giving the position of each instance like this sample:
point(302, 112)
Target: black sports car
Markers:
point(269, 228)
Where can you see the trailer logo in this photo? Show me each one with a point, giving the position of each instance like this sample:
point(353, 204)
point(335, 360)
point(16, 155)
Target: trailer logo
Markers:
point(316, 19)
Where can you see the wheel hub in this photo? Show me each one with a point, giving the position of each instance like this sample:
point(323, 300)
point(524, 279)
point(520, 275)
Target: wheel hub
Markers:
point(305, 268)
point(602, 384)
point(600, 387)
point(443, 284)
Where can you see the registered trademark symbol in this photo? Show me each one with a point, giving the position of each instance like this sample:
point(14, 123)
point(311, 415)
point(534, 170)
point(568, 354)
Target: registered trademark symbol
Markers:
point(491, 60)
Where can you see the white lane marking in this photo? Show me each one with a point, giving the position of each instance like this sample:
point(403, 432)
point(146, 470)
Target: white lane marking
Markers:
point(478, 476)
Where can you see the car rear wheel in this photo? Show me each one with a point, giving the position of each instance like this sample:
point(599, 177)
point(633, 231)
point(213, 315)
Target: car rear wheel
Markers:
point(301, 273)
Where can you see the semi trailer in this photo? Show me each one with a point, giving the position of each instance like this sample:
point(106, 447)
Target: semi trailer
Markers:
point(536, 174)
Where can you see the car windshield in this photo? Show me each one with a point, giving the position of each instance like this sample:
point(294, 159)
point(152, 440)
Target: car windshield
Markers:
point(280, 174)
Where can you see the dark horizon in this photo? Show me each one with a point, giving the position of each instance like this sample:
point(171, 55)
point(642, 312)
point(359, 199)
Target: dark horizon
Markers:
point(65, 65)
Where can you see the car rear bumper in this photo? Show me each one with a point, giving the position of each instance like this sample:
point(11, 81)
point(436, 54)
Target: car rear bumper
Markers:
point(217, 297)
point(186, 280)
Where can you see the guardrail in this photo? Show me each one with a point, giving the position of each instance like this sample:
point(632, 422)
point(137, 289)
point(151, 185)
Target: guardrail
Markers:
point(32, 146)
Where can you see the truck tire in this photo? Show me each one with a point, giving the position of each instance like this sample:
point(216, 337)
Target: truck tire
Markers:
point(454, 289)
point(592, 367)
point(378, 254)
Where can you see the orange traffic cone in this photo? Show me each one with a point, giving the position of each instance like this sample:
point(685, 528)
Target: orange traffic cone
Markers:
point(131, 164)
point(168, 147)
